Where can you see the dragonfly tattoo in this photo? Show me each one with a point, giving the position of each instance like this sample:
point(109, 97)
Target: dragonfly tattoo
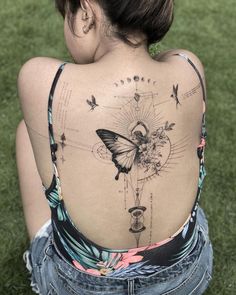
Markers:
point(175, 95)
point(92, 103)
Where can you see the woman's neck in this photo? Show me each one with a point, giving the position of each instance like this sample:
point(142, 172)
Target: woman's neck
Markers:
point(120, 53)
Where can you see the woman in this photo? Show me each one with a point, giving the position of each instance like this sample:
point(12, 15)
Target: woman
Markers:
point(116, 140)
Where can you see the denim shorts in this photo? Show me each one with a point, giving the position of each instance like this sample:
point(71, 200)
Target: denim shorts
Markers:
point(51, 274)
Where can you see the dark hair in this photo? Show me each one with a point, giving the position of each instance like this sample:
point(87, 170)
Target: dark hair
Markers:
point(151, 17)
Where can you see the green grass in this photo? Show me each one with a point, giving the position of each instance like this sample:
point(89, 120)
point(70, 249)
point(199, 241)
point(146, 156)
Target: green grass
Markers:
point(32, 28)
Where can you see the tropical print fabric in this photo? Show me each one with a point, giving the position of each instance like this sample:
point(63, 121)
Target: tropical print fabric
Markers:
point(91, 258)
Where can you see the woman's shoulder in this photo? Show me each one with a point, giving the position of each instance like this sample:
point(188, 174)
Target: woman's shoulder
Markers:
point(40, 61)
point(36, 73)
point(172, 53)
point(38, 65)
point(35, 79)
point(173, 56)
point(185, 64)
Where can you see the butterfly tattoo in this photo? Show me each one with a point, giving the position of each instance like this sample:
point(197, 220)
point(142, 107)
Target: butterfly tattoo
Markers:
point(92, 103)
point(124, 151)
point(144, 149)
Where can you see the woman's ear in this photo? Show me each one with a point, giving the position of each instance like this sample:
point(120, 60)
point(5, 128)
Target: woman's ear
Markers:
point(83, 5)
point(87, 7)
point(88, 15)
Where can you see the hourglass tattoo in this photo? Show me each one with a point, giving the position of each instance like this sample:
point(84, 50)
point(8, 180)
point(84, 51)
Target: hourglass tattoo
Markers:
point(140, 147)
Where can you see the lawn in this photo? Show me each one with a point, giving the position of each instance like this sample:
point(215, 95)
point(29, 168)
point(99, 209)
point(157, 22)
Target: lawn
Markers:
point(33, 28)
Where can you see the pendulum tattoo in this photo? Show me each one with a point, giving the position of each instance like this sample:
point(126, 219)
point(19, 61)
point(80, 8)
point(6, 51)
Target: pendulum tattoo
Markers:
point(151, 213)
point(63, 139)
point(62, 142)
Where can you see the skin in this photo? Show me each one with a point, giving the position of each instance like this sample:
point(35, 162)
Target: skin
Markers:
point(93, 53)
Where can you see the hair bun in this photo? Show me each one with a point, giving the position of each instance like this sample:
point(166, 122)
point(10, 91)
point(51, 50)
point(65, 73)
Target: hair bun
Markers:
point(151, 17)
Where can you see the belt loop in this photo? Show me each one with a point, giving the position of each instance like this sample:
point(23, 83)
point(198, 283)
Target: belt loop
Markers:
point(131, 287)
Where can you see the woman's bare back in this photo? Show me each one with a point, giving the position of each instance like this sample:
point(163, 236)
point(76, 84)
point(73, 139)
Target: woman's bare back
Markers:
point(127, 145)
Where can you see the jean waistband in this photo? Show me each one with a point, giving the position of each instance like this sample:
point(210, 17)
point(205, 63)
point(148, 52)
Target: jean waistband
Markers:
point(65, 266)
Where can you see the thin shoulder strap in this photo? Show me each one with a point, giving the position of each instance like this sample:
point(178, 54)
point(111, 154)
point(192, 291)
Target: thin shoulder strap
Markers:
point(197, 72)
point(53, 144)
point(183, 55)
